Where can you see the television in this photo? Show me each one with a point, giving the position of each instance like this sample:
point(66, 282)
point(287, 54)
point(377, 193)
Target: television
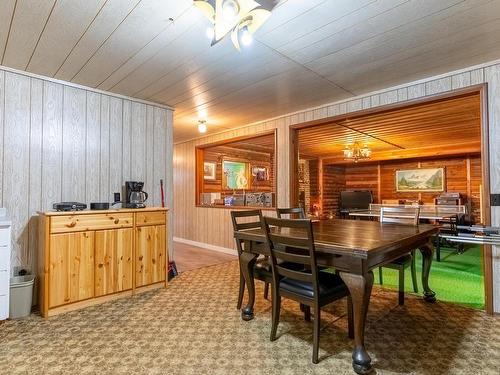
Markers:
point(355, 200)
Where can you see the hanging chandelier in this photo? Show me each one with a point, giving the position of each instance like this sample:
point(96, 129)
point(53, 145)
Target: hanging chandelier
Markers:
point(240, 18)
point(355, 152)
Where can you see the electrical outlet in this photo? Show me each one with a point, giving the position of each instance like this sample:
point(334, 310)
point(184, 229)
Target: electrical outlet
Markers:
point(495, 200)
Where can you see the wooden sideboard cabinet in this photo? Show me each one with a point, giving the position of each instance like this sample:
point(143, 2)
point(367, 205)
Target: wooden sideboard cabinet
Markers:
point(89, 257)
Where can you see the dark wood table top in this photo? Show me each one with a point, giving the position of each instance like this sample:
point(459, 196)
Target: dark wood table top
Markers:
point(424, 215)
point(354, 237)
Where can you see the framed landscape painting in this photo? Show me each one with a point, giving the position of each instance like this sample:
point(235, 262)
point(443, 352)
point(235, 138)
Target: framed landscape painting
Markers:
point(421, 180)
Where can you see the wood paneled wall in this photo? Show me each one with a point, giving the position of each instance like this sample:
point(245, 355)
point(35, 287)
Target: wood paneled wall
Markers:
point(334, 181)
point(63, 143)
point(211, 226)
point(362, 177)
point(462, 175)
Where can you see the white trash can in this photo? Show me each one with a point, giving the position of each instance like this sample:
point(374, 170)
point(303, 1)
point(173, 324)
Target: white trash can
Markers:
point(21, 294)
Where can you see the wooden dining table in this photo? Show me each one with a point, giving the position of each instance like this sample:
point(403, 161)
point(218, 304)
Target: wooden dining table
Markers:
point(354, 248)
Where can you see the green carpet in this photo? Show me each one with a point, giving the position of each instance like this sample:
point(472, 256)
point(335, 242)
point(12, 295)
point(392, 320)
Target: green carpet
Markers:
point(458, 278)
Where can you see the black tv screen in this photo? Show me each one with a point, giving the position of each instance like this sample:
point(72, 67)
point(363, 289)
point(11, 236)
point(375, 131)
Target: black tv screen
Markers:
point(355, 199)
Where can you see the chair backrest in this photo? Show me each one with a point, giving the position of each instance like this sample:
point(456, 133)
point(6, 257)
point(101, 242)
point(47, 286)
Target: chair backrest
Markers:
point(248, 219)
point(400, 215)
point(242, 220)
point(294, 213)
point(292, 241)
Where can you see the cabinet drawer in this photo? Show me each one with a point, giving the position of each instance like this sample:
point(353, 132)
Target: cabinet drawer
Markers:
point(4, 258)
point(4, 282)
point(4, 237)
point(151, 218)
point(77, 223)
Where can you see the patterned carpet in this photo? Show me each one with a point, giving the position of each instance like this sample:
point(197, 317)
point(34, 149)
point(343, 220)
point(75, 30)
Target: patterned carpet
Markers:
point(193, 327)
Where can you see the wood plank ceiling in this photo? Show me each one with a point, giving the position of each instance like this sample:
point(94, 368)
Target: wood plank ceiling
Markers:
point(447, 127)
point(308, 53)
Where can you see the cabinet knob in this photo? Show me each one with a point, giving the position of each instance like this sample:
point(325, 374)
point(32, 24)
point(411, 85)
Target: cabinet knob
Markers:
point(71, 225)
point(117, 221)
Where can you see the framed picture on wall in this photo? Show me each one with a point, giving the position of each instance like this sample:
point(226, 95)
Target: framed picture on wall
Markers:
point(260, 173)
point(235, 174)
point(209, 169)
point(420, 180)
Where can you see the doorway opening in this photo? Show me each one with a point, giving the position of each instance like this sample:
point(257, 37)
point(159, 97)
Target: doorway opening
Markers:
point(431, 152)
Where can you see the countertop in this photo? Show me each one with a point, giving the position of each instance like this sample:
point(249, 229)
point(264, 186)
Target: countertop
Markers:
point(112, 211)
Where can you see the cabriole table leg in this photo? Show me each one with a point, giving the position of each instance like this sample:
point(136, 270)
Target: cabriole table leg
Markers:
point(360, 287)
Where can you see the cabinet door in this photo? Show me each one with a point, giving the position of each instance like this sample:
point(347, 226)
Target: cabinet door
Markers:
point(113, 261)
point(150, 255)
point(159, 259)
point(71, 272)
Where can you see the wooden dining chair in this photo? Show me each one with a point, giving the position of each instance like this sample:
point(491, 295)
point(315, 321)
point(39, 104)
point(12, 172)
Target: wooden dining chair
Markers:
point(245, 220)
point(293, 213)
point(406, 216)
point(309, 287)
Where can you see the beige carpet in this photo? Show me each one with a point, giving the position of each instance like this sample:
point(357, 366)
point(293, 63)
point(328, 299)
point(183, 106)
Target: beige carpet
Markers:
point(194, 328)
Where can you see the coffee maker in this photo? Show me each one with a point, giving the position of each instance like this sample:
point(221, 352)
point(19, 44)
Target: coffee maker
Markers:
point(134, 196)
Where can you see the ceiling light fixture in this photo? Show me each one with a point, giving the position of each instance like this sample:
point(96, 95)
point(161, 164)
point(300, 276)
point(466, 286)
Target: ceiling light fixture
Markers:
point(355, 152)
point(246, 38)
point(240, 18)
point(230, 10)
point(202, 126)
point(210, 32)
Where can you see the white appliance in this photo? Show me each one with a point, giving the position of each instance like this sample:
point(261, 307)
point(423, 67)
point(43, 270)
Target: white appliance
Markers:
point(5, 224)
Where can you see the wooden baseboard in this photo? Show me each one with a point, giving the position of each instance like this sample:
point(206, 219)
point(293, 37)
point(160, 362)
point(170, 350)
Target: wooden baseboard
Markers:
point(206, 246)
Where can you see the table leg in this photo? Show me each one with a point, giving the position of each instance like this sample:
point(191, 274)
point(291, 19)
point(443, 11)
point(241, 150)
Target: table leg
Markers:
point(247, 261)
point(360, 287)
point(427, 254)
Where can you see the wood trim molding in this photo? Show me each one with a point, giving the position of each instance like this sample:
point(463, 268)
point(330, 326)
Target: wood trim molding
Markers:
point(486, 209)
point(294, 168)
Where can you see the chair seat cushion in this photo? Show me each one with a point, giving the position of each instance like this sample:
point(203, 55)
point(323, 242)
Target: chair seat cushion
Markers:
point(330, 285)
point(402, 260)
